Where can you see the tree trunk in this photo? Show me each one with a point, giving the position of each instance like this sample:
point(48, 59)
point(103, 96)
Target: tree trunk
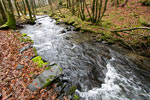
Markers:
point(11, 22)
point(24, 7)
point(15, 3)
point(2, 12)
point(30, 13)
point(33, 8)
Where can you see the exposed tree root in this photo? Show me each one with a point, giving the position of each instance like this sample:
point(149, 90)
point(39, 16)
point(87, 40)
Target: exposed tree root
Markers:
point(4, 27)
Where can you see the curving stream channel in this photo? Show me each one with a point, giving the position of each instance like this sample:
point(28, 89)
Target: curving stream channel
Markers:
point(99, 71)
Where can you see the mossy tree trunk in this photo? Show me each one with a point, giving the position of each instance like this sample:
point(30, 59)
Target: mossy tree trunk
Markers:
point(2, 14)
point(11, 22)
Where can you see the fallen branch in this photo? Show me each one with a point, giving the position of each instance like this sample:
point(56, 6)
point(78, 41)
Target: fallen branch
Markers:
point(136, 28)
point(125, 2)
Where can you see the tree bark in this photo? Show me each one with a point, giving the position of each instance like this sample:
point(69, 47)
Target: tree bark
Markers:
point(30, 13)
point(24, 7)
point(125, 2)
point(11, 21)
point(15, 3)
point(2, 12)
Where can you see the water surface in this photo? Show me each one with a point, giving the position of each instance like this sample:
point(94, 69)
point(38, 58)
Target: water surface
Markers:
point(99, 71)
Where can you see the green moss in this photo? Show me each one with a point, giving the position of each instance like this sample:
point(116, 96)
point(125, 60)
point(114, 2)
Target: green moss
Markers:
point(60, 68)
point(76, 97)
point(31, 73)
point(24, 34)
point(25, 38)
point(143, 21)
point(111, 41)
point(51, 77)
point(48, 68)
point(35, 51)
point(106, 24)
point(121, 18)
point(129, 6)
point(106, 36)
point(134, 14)
point(72, 90)
point(11, 22)
point(39, 61)
point(48, 82)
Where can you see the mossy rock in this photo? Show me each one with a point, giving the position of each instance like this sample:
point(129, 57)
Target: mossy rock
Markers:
point(72, 90)
point(46, 78)
point(28, 39)
point(24, 34)
point(76, 97)
point(25, 38)
point(48, 68)
point(48, 82)
point(38, 60)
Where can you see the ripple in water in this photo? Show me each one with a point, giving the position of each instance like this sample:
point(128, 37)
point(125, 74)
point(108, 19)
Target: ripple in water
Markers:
point(87, 65)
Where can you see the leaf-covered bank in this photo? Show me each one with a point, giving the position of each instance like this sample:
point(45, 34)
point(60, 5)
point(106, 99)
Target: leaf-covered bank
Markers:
point(17, 69)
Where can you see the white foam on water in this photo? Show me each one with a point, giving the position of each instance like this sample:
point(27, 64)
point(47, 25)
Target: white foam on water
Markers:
point(110, 90)
point(115, 87)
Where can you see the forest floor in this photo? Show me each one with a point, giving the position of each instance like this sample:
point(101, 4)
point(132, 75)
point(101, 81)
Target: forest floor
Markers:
point(133, 14)
point(14, 80)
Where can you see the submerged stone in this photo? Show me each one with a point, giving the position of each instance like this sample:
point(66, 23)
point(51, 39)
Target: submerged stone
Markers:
point(52, 64)
point(25, 48)
point(26, 57)
point(45, 79)
point(19, 67)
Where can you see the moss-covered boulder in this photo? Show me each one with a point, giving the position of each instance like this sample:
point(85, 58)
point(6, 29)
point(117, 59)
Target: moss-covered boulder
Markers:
point(46, 78)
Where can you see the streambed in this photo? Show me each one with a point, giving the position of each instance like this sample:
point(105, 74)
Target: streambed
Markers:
point(99, 71)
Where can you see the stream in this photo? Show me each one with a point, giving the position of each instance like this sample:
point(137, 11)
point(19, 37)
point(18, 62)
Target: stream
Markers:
point(99, 71)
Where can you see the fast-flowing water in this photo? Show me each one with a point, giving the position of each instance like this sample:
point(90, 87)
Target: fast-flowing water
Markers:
point(99, 71)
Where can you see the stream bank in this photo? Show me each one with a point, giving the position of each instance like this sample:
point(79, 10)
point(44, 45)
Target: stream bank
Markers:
point(95, 68)
point(17, 70)
point(135, 40)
